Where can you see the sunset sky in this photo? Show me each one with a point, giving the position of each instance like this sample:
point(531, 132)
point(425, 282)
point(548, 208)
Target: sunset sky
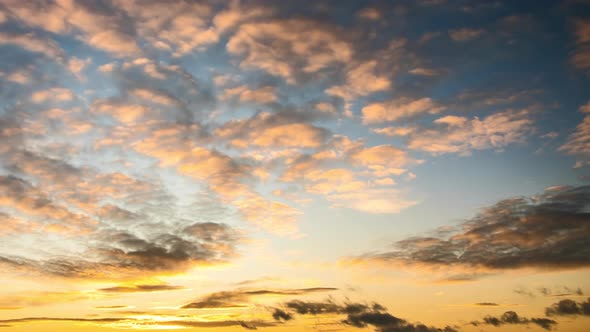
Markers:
point(388, 166)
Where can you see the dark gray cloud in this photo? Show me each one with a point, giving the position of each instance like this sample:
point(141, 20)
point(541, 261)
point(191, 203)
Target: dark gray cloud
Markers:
point(569, 307)
point(511, 317)
point(279, 315)
point(551, 231)
point(556, 291)
point(122, 254)
point(487, 304)
point(240, 298)
point(356, 314)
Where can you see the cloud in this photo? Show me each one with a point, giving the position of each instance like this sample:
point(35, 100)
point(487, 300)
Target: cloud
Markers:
point(369, 189)
point(279, 130)
point(263, 95)
point(512, 318)
point(123, 112)
point(279, 315)
point(105, 252)
point(155, 96)
point(30, 201)
point(52, 94)
point(394, 131)
point(130, 322)
point(179, 28)
point(33, 43)
point(423, 72)
point(94, 23)
point(581, 55)
point(382, 159)
point(361, 79)
point(456, 134)
point(551, 292)
point(356, 314)
point(112, 307)
point(241, 298)
point(569, 307)
point(141, 288)
point(547, 231)
point(369, 13)
point(465, 34)
point(290, 49)
point(25, 299)
point(399, 109)
point(578, 143)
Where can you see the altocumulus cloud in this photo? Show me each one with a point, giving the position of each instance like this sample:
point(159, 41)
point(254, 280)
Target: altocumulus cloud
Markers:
point(550, 230)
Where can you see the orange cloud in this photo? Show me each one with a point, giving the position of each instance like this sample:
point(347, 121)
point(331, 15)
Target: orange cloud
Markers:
point(454, 134)
point(56, 94)
point(398, 109)
point(262, 95)
point(578, 143)
point(32, 43)
point(312, 45)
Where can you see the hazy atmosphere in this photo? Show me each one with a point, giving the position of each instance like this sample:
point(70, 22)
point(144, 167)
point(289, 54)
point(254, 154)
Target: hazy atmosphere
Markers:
point(387, 166)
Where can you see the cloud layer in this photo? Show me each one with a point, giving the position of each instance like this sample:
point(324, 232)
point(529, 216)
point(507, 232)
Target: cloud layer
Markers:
point(548, 231)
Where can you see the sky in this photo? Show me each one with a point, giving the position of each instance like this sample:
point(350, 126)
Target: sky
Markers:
point(388, 166)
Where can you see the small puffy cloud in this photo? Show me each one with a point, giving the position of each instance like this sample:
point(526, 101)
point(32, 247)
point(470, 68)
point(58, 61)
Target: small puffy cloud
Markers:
point(581, 55)
point(155, 96)
point(382, 159)
point(578, 143)
point(262, 95)
point(362, 79)
point(106, 68)
point(77, 65)
point(114, 42)
point(394, 131)
point(423, 71)
point(288, 48)
point(399, 109)
point(124, 113)
point(33, 43)
point(455, 134)
point(465, 34)
point(547, 231)
point(273, 130)
point(179, 27)
point(582, 31)
point(325, 108)
point(369, 13)
point(55, 94)
point(372, 200)
point(95, 25)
